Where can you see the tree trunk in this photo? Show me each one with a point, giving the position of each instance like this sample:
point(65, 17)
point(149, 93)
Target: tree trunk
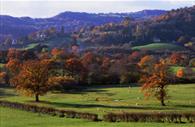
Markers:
point(162, 95)
point(36, 97)
point(162, 102)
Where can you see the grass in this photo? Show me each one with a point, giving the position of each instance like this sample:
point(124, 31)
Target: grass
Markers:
point(159, 46)
point(98, 100)
point(16, 118)
point(174, 69)
point(1, 65)
point(52, 42)
point(31, 46)
point(102, 100)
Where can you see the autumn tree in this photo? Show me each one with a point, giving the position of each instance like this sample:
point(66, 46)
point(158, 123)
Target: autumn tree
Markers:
point(192, 62)
point(28, 55)
point(180, 73)
point(176, 58)
point(13, 67)
point(58, 53)
point(13, 54)
point(61, 82)
point(146, 64)
point(2, 77)
point(156, 83)
point(75, 68)
point(134, 57)
point(106, 62)
point(33, 79)
point(87, 59)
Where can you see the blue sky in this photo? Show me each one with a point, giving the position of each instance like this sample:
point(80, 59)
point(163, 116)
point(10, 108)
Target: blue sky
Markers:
point(48, 8)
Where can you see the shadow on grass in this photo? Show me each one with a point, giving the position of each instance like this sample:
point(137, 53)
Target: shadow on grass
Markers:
point(185, 106)
point(81, 91)
point(3, 93)
point(93, 88)
point(65, 105)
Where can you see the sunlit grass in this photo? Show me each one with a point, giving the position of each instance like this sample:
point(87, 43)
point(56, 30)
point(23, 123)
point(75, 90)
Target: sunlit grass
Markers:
point(102, 100)
point(159, 46)
point(16, 118)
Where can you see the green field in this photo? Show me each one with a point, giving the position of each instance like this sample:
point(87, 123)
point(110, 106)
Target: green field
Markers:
point(16, 118)
point(98, 100)
point(1, 65)
point(102, 100)
point(31, 46)
point(159, 46)
point(174, 69)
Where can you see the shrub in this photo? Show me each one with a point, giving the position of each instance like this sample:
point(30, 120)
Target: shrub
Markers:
point(150, 117)
point(49, 111)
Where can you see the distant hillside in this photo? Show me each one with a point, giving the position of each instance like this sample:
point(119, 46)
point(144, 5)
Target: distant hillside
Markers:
point(173, 26)
point(17, 27)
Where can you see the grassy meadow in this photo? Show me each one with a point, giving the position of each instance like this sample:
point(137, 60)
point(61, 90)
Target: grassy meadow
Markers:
point(27, 119)
point(104, 99)
point(159, 46)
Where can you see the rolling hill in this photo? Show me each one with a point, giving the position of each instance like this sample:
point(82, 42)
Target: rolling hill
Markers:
point(20, 26)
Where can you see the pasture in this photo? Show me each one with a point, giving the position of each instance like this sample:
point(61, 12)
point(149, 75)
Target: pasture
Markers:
point(105, 99)
point(159, 46)
point(27, 119)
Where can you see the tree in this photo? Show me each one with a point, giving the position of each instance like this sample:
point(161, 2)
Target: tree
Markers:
point(182, 39)
point(28, 55)
point(146, 64)
point(176, 58)
point(127, 21)
point(105, 64)
point(62, 30)
point(58, 53)
point(2, 77)
point(87, 59)
point(13, 54)
point(61, 82)
point(33, 78)
point(75, 68)
point(13, 67)
point(180, 73)
point(134, 57)
point(192, 62)
point(156, 83)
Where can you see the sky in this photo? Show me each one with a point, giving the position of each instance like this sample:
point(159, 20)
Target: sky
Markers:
point(49, 8)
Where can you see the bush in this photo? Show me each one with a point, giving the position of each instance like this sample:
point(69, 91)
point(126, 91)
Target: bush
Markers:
point(110, 117)
point(150, 117)
point(50, 111)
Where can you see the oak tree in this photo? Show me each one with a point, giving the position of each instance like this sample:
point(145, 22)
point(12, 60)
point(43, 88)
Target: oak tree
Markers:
point(33, 78)
point(155, 84)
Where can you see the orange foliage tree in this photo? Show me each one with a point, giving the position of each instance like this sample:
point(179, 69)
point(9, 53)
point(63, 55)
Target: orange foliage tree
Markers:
point(180, 73)
point(33, 79)
point(13, 67)
point(2, 77)
point(87, 59)
point(58, 53)
point(106, 62)
point(146, 64)
point(13, 54)
point(75, 68)
point(176, 58)
point(155, 84)
point(134, 57)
